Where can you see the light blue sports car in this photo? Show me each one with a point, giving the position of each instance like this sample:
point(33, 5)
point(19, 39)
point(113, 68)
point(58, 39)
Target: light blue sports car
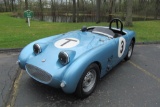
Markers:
point(76, 60)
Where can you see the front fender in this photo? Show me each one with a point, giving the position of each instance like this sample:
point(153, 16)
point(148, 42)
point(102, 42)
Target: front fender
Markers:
point(73, 74)
point(24, 55)
point(77, 68)
point(27, 51)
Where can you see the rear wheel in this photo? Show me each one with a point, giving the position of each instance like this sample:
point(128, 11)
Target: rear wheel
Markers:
point(130, 51)
point(88, 81)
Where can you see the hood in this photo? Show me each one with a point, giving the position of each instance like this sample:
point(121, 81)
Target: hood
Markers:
point(77, 40)
point(74, 43)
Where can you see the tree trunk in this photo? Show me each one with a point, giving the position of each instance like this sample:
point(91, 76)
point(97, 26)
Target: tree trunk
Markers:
point(93, 9)
point(53, 10)
point(83, 10)
point(157, 3)
point(41, 10)
point(74, 10)
point(5, 4)
point(111, 10)
point(12, 5)
point(26, 7)
point(146, 9)
point(77, 10)
point(66, 11)
point(26, 4)
point(8, 5)
point(120, 5)
point(98, 11)
point(20, 5)
point(128, 20)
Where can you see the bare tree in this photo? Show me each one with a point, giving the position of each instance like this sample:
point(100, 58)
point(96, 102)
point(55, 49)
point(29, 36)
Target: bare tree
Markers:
point(120, 5)
point(41, 10)
point(83, 9)
point(92, 9)
point(53, 10)
point(66, 10)
point(12, 5)
point(5, 4)
point(157, 3)
point(26, 7)
point(128, 20)
point(98, 11)
point(146, 5)
point(26, 4)
point(74, 10)
point(19, 4)
point(77, 10)
point(111, 9)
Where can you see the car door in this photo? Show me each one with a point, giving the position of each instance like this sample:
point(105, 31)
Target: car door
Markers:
point(106, 56)
point(120, 49)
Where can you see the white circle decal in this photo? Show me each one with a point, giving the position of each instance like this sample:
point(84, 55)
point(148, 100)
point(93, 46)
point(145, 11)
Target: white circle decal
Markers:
point(121, 46)
point(67, 43)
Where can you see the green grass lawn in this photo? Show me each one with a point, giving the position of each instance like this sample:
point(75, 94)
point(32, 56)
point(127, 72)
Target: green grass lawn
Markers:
point(15, 33)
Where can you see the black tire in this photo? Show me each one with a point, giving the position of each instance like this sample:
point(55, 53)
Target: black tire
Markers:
point(88, 81)
point(130, 51)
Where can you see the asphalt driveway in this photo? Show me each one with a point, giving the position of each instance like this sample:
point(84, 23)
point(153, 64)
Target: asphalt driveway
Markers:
point(8, 74)
point(135, 83)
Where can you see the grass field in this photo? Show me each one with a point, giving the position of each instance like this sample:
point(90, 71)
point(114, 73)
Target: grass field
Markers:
point(15, 33)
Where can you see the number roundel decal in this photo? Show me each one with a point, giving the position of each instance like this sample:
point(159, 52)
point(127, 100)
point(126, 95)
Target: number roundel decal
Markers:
point(66, 43)
point(121, 46)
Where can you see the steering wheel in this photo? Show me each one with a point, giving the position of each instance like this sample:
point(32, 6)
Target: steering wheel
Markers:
point(117, 21)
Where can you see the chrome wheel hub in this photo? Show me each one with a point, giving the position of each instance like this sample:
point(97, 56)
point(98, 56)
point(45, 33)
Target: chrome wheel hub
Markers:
point(130, 51)
point(89, 80)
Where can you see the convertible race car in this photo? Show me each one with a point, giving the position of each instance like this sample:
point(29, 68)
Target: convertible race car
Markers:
point(76, 60)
